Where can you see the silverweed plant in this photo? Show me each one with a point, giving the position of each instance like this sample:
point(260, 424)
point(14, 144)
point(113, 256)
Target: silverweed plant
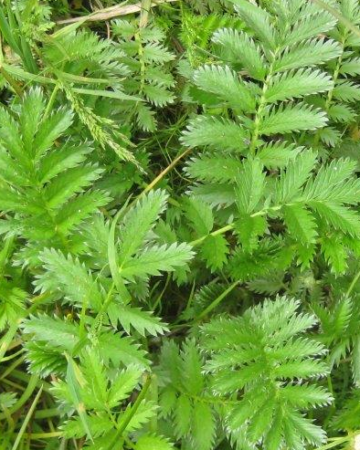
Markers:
point(179, 225)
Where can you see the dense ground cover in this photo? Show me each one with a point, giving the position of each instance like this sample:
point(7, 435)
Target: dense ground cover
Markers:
point(180, 226)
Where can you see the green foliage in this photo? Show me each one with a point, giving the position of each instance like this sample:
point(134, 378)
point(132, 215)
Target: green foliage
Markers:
point(179, 225)
point(265, 356)
point(145, 56)
point(338, 101)
point(184, 397)
point(45, 189)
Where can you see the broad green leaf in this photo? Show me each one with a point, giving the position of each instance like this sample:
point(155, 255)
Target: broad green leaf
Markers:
point(144, 322)
point(158, 95)
point(308, 53)
point(138, 222)
point(156, 259)
point(226, 85)
point(241, 50)
point(335, 254)
point(262, 419)
point(50, 130)
point(10, 137)
point(183, 416)
point(123, 385)
point(258, 20)
point(278, 154)
point(203, 426)
point(200, 216)
point(214, 251)
point(273, 436)
point(300, 223)
point(312, 433)
point(249, 230)
point(69, 276)
point(304, 396)
point(76, 381)
point(55, 331)
point(98, 425)
point(334, 182)
point(61, 188)
point(148, 442)
point(95, 394)
point(346, 91)
point(309, 27)
point(297, 172)
point(290, 85)
point(30, 119)
point(338, 216)
point(250, 186)
point(121, 350)
point(217, 167)
point(216, 133)
point(191, 367)
point(292, 118)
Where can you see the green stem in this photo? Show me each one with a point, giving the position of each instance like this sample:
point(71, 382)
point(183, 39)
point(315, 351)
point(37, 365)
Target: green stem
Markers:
point(353, 284)
point(14, 355)
point(7, 339)
point(262, 105)
point(47, 413)
point(51, 101)
point(23, 376)
point(217, 301)
point(50, 435)
point(158, 300)
point(335, 442)
point(26, 420)
point(141, 61)
point(231, 226)
point(25, 396)
point(129, 414)
point(214, 233)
